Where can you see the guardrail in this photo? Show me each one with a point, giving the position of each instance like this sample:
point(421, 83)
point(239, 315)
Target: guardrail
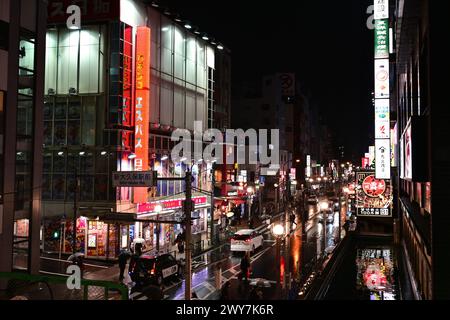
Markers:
point(31, 287)
point(319, 288)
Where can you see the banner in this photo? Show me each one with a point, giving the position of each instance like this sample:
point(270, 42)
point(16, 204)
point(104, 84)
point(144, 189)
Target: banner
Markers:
point(383, 158)
point(373, 196)
point(382, 79)
point(142, 107)
point(382, 119)
point(382, 39)
point(381, 9)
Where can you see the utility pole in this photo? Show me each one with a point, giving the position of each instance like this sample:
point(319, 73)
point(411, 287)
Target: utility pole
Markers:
point(213, 184)
point(75, 209)
point(187, 213)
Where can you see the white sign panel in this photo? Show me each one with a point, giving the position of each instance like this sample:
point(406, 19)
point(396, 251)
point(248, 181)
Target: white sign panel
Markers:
point(371, 154)
point(383, 159)
point(382, 119)
point(134, 178)
point(381, 9)
point(308, 166)
point(382, 79)
point(268, 172)
point(407, 153)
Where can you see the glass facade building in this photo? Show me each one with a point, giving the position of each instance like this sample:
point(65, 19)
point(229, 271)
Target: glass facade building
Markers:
point(22, 52)
point(89, 127)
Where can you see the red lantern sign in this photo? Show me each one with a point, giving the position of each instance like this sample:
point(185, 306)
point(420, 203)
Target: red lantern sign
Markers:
point(372, 187)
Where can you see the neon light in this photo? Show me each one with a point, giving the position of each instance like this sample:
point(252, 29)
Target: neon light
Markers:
point(142, 107)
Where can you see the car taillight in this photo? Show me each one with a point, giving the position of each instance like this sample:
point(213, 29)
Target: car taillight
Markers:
point(248, 240)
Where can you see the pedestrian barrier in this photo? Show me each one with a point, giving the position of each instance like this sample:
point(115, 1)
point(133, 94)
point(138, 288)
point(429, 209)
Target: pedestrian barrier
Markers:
point(49, 287)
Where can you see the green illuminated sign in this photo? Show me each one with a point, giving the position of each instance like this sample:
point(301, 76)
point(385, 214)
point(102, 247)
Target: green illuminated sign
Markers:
point(381, 39)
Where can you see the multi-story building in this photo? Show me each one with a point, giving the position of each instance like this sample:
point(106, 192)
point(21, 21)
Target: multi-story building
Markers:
point(279, 104)
point(115, 91)
point(422, 116)
point(22, 54)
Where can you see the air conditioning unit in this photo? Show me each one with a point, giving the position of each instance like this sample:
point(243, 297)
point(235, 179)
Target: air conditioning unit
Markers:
point(72, 91)
point(51, 91)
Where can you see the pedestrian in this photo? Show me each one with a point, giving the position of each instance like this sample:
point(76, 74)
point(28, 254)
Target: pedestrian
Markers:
point(123, 259)
point(245, 265)
point(134, 260)
point(225, 292)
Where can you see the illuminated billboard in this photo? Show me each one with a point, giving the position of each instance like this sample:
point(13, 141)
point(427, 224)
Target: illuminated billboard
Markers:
point(142, 107)
point(373, 196)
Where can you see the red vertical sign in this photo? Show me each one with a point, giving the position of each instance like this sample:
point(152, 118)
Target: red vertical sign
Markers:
point(127, 98)
point(142, 107)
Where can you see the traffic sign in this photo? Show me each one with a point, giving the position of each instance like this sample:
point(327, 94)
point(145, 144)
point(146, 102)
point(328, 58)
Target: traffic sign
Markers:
point(134, 178)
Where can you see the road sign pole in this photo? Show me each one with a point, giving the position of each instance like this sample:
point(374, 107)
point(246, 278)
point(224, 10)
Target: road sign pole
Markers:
point(187, 212)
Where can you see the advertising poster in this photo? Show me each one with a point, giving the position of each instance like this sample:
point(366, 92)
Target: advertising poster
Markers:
point(382, 79)
point(407, 153)
point(381, 9)
point(383, 158)
point(382, 119)
point(382, 39)
point(373, 196)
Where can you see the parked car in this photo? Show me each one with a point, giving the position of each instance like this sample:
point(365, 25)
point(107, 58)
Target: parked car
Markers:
point(154, 269)
point(246, 240)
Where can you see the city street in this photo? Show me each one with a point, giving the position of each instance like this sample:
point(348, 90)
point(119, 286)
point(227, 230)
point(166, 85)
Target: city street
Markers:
point(169, 150)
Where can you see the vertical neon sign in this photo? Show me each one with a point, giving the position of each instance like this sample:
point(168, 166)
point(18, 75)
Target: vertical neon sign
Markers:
point(142, 107)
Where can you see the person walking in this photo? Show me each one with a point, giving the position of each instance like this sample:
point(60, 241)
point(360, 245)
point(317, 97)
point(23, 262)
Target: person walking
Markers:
point(135, 258)
point(245, 266)
point(123, 259)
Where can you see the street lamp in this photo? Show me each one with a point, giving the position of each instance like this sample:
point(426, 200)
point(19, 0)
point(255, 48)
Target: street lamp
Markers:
point(158, 209)
point(278, 232)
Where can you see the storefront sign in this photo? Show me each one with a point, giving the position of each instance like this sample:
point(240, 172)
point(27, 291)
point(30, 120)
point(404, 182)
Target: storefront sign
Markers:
point(134, 179)
point(382, 119)
point(308, 166)
point(408, 153)
point(373, 187)
point(381, 39)
point(364, 163)
point(373, 196)
point(168, 204)
point(381, 9)
point(383, 158)
point(394, 144)
point(142, 107)
point(382, 79)
point(374, 212)
point(127, 92)
point(371, 155)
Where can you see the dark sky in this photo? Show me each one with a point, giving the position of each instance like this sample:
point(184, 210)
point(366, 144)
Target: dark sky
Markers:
point(326, 43)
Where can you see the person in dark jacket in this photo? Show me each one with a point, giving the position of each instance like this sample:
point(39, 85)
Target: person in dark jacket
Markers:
point(245, 265)
point(123, 258)
point(135, 257)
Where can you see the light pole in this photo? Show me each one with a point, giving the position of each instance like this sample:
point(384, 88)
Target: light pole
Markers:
point(324, 206)
point(278, 232)
point(276, 197)
point(250, 192)
point(158, 209)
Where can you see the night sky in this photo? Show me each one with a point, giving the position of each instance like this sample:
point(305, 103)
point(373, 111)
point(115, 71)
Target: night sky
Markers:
point(326, 43)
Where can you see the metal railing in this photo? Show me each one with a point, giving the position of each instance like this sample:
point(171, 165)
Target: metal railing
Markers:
point(46, 287)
